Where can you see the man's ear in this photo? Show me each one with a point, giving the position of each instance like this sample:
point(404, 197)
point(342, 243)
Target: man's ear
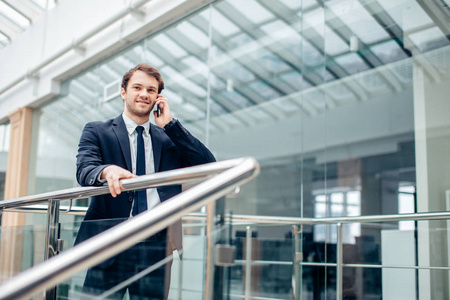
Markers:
point(122, 93)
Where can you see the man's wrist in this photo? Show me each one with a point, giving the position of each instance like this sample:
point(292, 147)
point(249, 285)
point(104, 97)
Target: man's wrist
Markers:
point(101, 180)
point(170, 124)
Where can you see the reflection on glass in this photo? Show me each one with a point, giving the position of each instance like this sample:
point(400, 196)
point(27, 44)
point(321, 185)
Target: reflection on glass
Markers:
point(336, 44)
point(341, 204)
point(429, 39)
point(352, 63)
point(389, 52)
point(357, 19)
point(251, 10)
point(337, 198)
point(406, 204)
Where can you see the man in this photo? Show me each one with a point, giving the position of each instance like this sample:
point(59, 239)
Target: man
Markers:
point(124, 147)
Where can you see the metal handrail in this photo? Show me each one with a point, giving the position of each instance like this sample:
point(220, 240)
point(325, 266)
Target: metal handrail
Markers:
point(113, 241)
point(270, 220)
point(173, 177)
point(277, 220)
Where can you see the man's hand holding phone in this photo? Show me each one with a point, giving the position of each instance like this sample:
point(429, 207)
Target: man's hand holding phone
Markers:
point(162, 111)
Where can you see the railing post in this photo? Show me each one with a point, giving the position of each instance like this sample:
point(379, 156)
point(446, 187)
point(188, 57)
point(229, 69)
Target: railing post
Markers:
point(298, 258)
point(210, 242)
point(180, 280)
point(51, 239)
point(339, 257)
point(248, 263)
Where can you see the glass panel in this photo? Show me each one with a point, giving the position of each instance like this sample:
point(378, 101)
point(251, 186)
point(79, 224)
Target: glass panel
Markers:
point(365, 158)
point(270, 262)
point(429, 39)
point(187, 276)
point(355, 17)
point(406, 14)
point(379, 253)
point(376, 255)
point(28, 249)
point(389, 51)
point(94, 95)
point(262, 69)
point(373, 260)
point(252, 10)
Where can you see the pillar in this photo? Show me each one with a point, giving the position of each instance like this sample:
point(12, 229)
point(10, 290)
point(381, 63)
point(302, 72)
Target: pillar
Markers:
point(15, 186)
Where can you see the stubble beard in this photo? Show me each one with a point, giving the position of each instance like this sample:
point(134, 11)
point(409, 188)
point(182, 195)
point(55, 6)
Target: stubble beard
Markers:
point(138, 112)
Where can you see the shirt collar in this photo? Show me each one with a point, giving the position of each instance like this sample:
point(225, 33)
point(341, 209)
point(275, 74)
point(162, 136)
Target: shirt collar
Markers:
point(131, 125)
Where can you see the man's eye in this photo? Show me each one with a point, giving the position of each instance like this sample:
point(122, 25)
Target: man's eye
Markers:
point(136, 87)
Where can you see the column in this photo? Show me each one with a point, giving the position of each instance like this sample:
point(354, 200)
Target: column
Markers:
point(15, 186)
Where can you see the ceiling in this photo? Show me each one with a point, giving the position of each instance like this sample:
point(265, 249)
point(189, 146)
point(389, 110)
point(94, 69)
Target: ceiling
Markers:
point(17, 15)
point(269, 59)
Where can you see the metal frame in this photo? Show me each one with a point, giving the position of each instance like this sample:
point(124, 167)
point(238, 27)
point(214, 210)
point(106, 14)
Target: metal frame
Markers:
point(233, 173)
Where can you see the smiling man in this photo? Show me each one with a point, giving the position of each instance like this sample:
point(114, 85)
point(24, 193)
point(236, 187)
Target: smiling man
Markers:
point(124, 147)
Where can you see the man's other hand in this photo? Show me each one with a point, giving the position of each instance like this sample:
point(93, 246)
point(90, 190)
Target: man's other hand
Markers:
point(113, 174)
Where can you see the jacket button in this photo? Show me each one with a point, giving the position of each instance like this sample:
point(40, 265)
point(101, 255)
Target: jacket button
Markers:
point(130, 198)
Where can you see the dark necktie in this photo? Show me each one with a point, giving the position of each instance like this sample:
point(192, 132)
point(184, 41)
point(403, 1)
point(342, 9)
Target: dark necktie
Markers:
point(140, 203)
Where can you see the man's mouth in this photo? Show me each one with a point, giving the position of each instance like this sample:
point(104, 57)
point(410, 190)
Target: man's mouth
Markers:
point(143, 101)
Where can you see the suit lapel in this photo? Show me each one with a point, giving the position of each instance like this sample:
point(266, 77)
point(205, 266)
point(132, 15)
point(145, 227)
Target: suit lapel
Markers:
point(121, 132)
point(156, 145)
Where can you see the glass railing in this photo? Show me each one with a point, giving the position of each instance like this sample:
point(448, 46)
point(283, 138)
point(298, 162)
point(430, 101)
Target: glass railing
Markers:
point(364, 257)
point(186, 278)
point(370, 257)
point(273, 256)
point(134, 236)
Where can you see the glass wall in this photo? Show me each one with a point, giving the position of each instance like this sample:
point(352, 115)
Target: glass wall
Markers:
point(343, 103)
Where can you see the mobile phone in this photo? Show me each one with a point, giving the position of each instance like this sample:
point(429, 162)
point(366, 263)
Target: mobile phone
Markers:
point(158, 110)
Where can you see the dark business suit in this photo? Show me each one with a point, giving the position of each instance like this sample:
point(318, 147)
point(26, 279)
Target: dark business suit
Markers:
point(106, 143)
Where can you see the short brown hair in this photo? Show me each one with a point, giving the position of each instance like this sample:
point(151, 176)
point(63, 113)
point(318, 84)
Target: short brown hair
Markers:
point(147, 69)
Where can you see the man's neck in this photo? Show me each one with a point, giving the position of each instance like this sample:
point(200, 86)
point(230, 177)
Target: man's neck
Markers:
point(136, 119)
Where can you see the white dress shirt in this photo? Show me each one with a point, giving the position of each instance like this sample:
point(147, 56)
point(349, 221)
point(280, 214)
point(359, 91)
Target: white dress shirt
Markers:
point(152, 194)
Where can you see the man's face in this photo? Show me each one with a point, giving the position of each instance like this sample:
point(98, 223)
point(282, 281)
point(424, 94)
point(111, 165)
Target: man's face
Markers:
point(140, 95)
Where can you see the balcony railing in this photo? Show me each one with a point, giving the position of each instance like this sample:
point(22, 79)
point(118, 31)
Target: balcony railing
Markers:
point(161, 218)
point(228, 175)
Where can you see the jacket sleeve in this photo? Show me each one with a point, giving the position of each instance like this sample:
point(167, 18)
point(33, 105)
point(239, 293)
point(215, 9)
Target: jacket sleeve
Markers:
point(89, 158)
point(193, 151)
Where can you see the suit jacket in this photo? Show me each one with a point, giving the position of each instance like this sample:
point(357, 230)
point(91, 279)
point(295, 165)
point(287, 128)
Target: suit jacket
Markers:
point(106, 143)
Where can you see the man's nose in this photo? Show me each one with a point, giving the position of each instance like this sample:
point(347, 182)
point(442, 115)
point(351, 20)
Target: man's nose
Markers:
point(143, 93)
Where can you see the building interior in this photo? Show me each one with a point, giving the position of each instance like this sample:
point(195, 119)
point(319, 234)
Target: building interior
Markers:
point(343, 103)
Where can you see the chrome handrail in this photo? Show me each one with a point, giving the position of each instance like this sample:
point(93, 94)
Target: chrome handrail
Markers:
point(270, 220)
point(179, 176)
point(113, 241)
point(278, 220)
